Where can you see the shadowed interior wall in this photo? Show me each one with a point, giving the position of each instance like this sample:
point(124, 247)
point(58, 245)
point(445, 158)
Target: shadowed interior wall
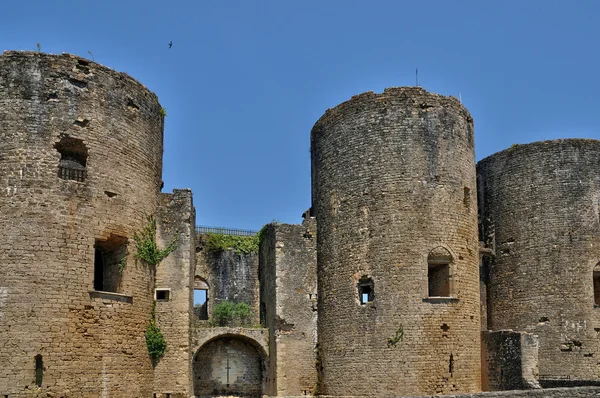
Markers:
point(540, 214)
point(228, 365)
point(393, 179)
point(57, 208)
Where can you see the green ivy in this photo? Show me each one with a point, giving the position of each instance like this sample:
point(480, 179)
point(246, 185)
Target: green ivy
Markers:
point(227, 313)
point(145, 243)
point(155, 341)
point(240, 244)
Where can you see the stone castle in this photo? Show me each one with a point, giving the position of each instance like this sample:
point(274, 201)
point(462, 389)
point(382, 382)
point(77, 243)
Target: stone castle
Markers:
point(415, 272)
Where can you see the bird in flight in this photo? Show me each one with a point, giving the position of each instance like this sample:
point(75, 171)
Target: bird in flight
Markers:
point(170, 44)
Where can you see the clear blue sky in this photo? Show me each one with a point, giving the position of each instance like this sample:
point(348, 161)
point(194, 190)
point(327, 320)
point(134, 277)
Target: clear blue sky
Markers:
point(246, 80)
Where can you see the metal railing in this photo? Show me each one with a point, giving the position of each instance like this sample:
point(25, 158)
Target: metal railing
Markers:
point(67, 173)
point(225, 231)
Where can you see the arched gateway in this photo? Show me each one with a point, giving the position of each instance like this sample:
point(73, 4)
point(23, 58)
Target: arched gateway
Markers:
point(229, 365)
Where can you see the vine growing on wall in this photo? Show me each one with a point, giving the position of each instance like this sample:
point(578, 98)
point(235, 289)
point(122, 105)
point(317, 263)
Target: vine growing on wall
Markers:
point(397, 337)
point(155, 341)
point(147, 249)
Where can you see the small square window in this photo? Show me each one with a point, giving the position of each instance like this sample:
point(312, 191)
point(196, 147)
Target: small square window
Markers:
point(162, 294)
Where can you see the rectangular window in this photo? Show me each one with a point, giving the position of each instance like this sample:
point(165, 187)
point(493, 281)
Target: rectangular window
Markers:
point(438, 276)
point(109, 256)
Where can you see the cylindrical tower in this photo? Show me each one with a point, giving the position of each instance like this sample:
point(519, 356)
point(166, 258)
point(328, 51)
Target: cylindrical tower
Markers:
point(80, 170)
point(541, 215)
point(393, 180)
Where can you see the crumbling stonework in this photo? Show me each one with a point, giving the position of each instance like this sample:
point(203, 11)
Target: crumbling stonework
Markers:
point(393, 187)
point(288, 280)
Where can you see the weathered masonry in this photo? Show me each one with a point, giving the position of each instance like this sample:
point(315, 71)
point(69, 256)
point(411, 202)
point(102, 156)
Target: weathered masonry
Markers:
point(397, 250)
point(415, 271)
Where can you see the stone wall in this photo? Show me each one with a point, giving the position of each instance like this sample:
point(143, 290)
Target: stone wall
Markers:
point(230, 276)
point(577, 392)
point(509, 360)
point(80, 169)
point(393, 184)
point(540, 216)
point(288, 276)
point(175, 276)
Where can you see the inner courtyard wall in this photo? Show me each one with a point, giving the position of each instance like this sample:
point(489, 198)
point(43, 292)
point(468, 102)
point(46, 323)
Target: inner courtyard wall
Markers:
point(231, 276)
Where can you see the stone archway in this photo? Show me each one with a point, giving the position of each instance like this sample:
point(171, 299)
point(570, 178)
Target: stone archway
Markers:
point(229, 365)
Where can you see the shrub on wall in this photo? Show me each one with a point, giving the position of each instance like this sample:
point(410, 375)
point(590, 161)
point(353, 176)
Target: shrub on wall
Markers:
point(241, 244)
point(227, 313)
point(146, 247)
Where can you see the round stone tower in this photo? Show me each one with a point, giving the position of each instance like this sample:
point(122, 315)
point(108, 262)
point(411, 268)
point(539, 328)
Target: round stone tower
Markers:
point(80, 169)
point(393, 185)
point(540, 215)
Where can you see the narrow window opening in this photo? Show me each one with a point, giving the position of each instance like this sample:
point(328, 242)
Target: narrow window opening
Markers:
point(200, 298)
point(596, 278)
point(263, 314)
point(439, 273)
point(73, 159)
point(163, 294)
point(366, 293)
point(109, 259)
point(39, 370)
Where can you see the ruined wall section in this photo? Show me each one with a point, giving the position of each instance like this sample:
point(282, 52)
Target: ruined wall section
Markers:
point(80, 169)
point(541, 214)
point(288, 272)
point(393, 180)
point(176, 221)
point(231, 276)
point(510, 360)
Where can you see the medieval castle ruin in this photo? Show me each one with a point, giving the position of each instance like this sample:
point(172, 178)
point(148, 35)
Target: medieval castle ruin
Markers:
point(415, 272)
